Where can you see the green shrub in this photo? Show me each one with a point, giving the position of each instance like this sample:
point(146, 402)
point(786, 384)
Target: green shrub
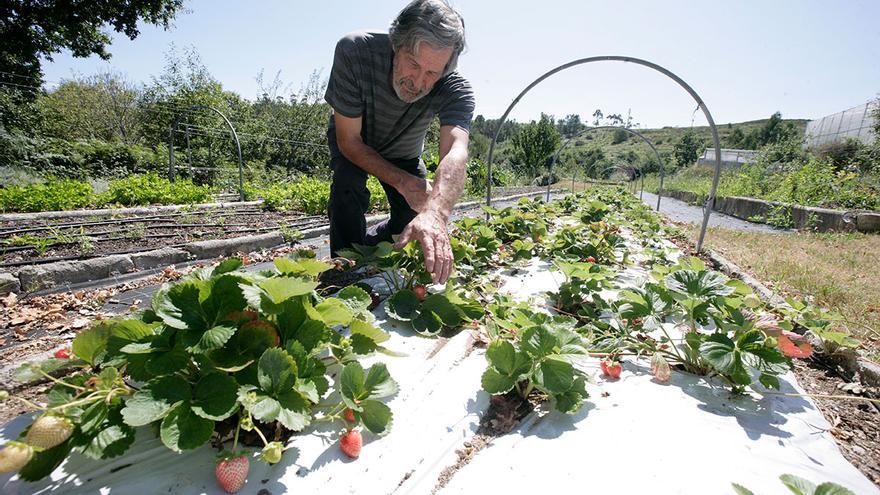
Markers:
point(477, 177)
point(309, 195)
point(149, 189)
point(64, 194)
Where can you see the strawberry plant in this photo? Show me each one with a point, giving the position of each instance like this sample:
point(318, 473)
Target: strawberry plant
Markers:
point(525, 221)
point(539, 359)
point(579, 294)
point(577, 242)
point(220, 350)
point(819, 322)
point(717, 337)
point(400, 269)
point(430, 315)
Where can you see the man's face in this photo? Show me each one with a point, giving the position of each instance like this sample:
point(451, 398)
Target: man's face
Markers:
point(414, 75)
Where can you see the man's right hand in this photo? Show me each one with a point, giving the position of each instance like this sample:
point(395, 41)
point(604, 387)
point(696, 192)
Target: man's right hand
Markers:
point(415, 191)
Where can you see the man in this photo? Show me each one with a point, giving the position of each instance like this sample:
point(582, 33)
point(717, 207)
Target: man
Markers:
point(385, 89)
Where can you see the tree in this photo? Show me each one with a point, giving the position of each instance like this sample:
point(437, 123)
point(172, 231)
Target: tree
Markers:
point(533, 145)
point(478, 146)
point(34, 29)
point(687, 149)
point(736, 138)
point(570, 125)
point(103, 106)
point(619, 136)
point(597, 117)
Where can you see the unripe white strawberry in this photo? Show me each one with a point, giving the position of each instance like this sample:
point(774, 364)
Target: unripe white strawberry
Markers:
point(48, 431)
point(14, 456)
point(660, 368)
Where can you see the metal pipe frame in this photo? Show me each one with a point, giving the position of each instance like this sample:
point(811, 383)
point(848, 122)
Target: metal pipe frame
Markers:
point(707, 209)
point(173, 128)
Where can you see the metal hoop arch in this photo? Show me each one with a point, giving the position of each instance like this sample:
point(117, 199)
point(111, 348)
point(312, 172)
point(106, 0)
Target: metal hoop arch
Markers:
point(619, 58)
point(173, 127)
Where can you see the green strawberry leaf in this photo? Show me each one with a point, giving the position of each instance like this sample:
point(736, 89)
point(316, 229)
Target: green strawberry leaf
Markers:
point(769, 381)
point(447, 312)
point(112, 441)
point(90, 345)
point(302, 267)
point(741, 490)
point(351, 384)
point(215, 397)
point(44, 462)
point(331, 311)
point(723, 355)
point(155, 400)
point(182, 429)
point(278, 290)
point(554, 375)
point(179, 305)
point(363, 345)
point(294, 410)
point(356, 298)
point(376, 416)
point(168, 362)
point(226, 266)
point(494, 382)
point(427, 323)
point(378, 383)
point(538, 342)
point(276, 371)
point(93, 417)
point(359, 327)
point(213, 338)
point(829, 488)
point(797, 485)
point(402, 305)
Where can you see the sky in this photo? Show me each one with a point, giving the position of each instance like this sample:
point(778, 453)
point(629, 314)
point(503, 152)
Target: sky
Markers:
point(746, 59)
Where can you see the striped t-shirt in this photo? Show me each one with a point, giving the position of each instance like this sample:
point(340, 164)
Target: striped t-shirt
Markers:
point(360, 86)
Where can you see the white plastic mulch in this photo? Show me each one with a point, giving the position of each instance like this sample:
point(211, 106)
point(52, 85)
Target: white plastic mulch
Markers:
point(632, 436)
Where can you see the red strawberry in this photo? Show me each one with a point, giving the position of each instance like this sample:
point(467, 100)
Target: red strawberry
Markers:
point(349, 415)
point(62, 353)
point(611, 368)
point(231, 473)
point(14, 456)
point(48, 431)
point(351, 444)
point(591, 259)
point(420, 291)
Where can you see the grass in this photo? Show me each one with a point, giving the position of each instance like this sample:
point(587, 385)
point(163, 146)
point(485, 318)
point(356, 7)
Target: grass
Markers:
point(835, 270)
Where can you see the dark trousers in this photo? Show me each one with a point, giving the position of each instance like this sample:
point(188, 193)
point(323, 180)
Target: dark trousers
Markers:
point(350, 201)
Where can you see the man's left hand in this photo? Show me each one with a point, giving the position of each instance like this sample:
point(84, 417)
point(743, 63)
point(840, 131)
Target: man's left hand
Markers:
point(429, 228)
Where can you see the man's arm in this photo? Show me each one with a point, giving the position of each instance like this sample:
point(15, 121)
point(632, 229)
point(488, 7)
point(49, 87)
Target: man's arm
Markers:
point(414, 189)
point(429, 227)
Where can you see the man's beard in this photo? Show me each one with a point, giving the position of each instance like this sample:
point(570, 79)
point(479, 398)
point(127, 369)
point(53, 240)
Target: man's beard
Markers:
point(404, 89)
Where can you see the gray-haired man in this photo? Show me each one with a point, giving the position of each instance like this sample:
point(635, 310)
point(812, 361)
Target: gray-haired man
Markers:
point(385, 89)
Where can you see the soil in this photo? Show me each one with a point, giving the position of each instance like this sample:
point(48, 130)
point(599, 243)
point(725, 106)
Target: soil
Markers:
point(77, 239)
point(855, 423)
